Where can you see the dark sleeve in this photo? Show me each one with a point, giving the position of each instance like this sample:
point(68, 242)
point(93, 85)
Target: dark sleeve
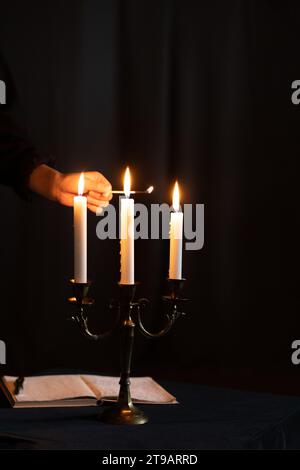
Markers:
point(18, 155)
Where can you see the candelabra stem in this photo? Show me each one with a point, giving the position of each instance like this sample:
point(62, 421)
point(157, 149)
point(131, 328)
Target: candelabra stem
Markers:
point(124, 412)
point(127, 339)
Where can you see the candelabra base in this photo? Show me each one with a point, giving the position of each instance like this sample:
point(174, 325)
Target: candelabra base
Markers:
point(123, 414)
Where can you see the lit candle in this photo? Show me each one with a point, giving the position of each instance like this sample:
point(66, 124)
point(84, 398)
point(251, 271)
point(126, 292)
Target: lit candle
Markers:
point(80, 241)
point(127, 234)
point(176, 230)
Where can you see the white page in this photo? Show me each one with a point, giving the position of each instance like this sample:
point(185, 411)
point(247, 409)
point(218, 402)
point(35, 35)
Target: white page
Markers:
point(51, 387)
point(142, 388)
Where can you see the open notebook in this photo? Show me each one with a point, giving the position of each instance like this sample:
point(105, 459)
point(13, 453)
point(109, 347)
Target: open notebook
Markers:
point(78, 390)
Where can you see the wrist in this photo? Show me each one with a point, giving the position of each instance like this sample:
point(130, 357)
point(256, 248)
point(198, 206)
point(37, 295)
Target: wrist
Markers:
point(46, 181)
point(57, 179)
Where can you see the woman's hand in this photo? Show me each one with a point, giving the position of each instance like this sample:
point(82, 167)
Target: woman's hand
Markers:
point(62, 187)
point(96, 187)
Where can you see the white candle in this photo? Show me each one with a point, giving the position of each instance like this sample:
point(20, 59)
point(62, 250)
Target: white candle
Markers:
point(176, 231)
point(127, 234)
point(80, 234)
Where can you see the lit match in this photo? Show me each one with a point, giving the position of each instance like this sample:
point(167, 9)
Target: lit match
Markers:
point(147, 191)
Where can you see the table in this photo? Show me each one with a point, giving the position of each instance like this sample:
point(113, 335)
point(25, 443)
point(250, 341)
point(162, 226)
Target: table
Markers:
point(206, 418)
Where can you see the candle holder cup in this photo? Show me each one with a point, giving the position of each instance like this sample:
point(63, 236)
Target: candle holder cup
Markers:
point(128, 317)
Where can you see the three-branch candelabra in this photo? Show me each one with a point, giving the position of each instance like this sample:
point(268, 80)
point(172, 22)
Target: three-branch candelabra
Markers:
point(128, 316)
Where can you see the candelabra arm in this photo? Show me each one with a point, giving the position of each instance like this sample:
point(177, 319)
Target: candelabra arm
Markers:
point(172, 307)
point(144, 331)
point(82, 303)
point(82, 322)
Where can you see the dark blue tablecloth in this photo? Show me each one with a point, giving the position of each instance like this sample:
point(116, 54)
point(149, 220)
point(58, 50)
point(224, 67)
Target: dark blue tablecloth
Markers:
point(206, 418)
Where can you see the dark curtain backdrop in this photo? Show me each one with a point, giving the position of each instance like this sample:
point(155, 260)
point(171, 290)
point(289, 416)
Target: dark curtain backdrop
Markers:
point(198, 90)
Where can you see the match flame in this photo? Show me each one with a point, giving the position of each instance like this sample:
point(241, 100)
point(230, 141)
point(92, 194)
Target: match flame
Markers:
point(81, 185)
point(127, 183)
point(176, 205)
point(150, 189)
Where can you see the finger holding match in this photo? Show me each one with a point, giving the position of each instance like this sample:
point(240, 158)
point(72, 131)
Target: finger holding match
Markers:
point(100, 197)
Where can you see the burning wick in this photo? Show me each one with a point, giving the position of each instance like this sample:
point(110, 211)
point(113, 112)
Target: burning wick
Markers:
point(147, 191)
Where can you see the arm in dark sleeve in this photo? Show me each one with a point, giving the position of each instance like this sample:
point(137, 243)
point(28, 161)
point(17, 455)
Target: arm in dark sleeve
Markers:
point(18, 156)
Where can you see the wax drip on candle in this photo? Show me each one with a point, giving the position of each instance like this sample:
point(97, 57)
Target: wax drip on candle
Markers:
point(175, 234)
point(175, 202)
point(127, 233)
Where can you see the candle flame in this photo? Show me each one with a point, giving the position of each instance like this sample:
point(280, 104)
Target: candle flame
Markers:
point(150, 189)
point(81, 185)
point(176, 205)
point(127, 183)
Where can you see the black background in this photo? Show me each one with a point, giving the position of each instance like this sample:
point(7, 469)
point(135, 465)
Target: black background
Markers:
point(194, 90)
